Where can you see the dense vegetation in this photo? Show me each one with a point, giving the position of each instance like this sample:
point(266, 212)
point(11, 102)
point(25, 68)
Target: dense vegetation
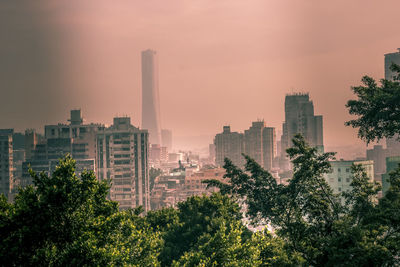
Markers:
point(65, 220)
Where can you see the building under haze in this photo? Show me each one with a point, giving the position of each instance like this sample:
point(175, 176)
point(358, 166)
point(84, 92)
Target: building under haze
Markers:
point(82, 136)
point(300, 119)
point(392, 163)
point(150, 96)
point(166, 139)
point(6, 161)
point(229, 145)
point(392, 144)
point(260, 144)
point(75, 138)
point(122, 156)
point(391, 58)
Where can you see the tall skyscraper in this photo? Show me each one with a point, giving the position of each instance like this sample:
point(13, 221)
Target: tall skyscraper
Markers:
point(300, 119)
point(150, 96)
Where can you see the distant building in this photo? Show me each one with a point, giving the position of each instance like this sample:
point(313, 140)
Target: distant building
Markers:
point(341, 177)
point(31, 140)
point(83, 136)
point(150, 96)
point(392, 144)
point(229, 145)
point(392, 163)
point(260, 144)
point(300, 119)
point(182, 183)
point(377, 155)
point(122, 156)
point(6, 161)
point(391, 58)
point(175, 157)
point(194, 183)
point(158, 154)
point(166, 139)
point(76, 139)
point(211, 152)
point(167, 190)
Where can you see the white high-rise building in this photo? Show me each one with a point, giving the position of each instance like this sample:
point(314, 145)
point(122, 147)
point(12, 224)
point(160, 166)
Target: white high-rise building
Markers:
point(122, 156)
point(150, 96)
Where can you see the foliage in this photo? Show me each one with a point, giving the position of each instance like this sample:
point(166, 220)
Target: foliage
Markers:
point(223, 248)
point(314, 223)
point(377, 108)
point(66, 220)
point(197, 216)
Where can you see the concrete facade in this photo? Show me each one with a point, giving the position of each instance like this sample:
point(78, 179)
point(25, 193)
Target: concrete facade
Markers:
point(6, 162)
point(122, 157)
point(392, 163)
point(391, 58)
point(260, 144)
point(300, 119)
point(150, 96)
point(166, 139)
point(229, 145)
point(341, 177)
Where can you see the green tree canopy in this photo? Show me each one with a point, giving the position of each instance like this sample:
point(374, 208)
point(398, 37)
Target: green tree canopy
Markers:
point(377, 108)
point(66, 220)
point(312, 221)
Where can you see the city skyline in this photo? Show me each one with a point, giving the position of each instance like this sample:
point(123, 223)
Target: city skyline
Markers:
point(217, 57)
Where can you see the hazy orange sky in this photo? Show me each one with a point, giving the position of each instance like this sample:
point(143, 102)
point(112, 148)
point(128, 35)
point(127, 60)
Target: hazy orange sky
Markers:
point(220, 62)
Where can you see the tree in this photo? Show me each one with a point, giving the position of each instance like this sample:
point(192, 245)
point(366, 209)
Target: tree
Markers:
point(223, 248)
point(377, 108)
point(313, 222)
point(196, 217)
point(66, 220)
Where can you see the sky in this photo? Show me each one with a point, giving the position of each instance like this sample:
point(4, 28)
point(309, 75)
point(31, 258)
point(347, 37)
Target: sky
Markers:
point(220, 62)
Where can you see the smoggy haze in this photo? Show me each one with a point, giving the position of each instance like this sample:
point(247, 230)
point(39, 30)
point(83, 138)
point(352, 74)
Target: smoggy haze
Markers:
point(220, 62)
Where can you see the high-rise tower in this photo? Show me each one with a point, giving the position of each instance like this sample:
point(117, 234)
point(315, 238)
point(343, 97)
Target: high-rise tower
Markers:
point(150, 96)
point(300, 119)
point(260, 144)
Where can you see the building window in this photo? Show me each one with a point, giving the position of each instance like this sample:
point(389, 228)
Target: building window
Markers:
point(339, 170)
point(347, 170)
point(339, 179)
point(348, 180)
point(339, 189)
